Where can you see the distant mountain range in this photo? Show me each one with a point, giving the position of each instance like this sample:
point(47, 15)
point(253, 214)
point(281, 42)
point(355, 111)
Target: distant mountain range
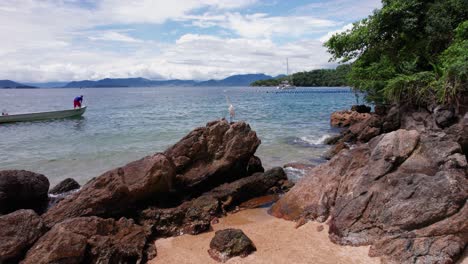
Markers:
point(14, 85)
point(235, 80)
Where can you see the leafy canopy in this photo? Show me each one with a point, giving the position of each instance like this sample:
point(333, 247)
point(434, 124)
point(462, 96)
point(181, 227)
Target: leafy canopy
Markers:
point(410, 50)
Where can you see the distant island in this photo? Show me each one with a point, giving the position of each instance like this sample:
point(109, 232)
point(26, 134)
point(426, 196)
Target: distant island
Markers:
point(315, 78)
point(7, 84)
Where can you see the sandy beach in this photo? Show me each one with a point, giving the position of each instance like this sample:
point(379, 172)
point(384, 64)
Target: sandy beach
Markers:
point(277, 241)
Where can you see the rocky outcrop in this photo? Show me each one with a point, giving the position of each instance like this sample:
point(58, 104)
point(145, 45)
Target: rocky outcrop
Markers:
point(19, 230)
point(347, 118)
point(230, 243)
point(92, 240)
point(205, 158)
point(117, 191)
point(206, 174)
point(361, 108)
point(20, 189)
point(65, 186)
point(212, 155)
point(404, 193)
point(194, 216)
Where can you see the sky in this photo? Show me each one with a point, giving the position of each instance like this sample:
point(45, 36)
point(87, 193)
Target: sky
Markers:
point(66, 40)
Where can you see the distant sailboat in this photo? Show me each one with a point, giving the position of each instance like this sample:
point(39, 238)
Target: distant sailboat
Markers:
point(286, 84)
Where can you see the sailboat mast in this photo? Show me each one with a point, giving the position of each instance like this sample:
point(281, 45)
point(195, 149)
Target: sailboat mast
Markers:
point(287, 66)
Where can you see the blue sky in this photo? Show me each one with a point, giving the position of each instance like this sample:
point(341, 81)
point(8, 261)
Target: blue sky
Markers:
point(62, 40)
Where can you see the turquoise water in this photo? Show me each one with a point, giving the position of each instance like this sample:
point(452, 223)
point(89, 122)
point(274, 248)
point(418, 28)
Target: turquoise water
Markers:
point(125, 124)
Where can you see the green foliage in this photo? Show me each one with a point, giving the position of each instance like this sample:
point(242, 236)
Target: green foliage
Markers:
point(315, 78)
point(410, 50)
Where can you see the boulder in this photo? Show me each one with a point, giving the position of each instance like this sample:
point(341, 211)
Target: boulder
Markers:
point(92, 240)
point(380, 110)
point(254, 165)
point(212, 155)
point(444, 116)
point(361, 108)
point(194, 216)
point(19, 230)
point(230, 243)
point(117, 191)
point(65, 186)
point(404, 193)
point(20, 189)
point(347, 118)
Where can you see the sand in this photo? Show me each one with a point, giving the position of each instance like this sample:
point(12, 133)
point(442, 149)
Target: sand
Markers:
point(277, 241)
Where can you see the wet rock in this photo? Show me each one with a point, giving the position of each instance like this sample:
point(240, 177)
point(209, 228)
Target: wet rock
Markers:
point(259, 201)
point(254, 165)
point(117, 191)
point(361, 108)
point(333, 139)
point(19, 230)
point(20, 189)
point(347, 118)
point(194, 216)
point(230, 243)
point(65, 186)
point(404, 193)
point(212, 155)
point(335, 150)
point(92, 240)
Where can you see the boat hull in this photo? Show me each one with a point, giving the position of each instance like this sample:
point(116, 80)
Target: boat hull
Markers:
point(43, 116)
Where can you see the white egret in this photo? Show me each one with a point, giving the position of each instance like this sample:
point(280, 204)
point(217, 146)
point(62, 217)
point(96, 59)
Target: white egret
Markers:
point(231, 110)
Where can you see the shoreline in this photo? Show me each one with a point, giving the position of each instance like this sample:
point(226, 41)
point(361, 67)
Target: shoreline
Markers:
point(277, 241)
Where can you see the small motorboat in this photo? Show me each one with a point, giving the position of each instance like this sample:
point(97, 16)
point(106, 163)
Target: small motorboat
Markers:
point(42, 115)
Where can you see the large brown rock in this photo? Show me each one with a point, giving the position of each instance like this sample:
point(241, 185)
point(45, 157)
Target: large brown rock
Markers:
point(211, 155)
point(92, 240)
point(65, 186)
point(404, 193)
point(230, 243)
point(18, 231)
point(194, 216)
point(20, 189)
point(117, 191)
point(205, 158)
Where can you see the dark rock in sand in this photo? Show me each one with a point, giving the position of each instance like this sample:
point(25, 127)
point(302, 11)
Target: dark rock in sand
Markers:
point(20, 189)
point(211, 155)
point(404, 193)
point(361, 108)
point(92, 240)
point(18, 231)
point(230, 243)
point(194, 216)
point(65, 186)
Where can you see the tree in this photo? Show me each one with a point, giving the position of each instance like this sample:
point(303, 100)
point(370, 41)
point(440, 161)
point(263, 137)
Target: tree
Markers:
point(400, 53)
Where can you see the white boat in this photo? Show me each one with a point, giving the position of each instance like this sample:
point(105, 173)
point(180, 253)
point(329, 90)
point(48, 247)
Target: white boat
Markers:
point(286, 85)
point(42, 115)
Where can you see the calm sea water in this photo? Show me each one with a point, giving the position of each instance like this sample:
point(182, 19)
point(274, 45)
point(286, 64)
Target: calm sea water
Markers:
point(125, 124)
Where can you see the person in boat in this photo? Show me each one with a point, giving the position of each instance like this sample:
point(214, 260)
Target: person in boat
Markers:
point(78, 101)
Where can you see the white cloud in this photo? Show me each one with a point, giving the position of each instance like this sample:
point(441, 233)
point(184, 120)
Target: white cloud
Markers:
point(330, 34)
point(61, 40)
point(115, 36)
point(345, 9)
